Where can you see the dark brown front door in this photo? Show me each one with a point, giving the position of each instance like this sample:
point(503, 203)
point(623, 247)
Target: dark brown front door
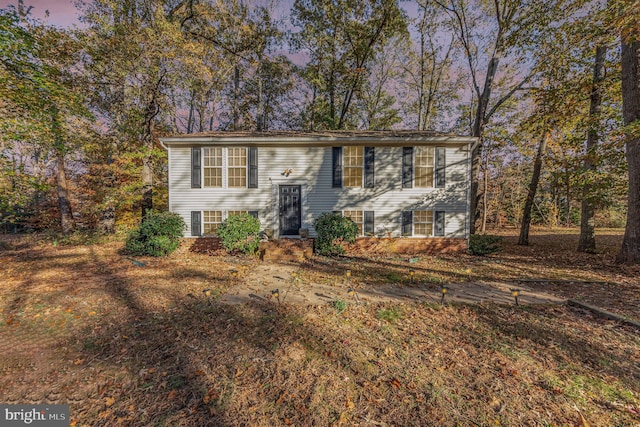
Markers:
point(289, 210)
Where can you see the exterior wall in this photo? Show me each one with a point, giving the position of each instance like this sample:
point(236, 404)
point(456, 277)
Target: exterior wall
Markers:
point(312, 170)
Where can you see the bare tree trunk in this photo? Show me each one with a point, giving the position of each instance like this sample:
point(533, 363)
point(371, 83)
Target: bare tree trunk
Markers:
point(150, 114)
point(485, 180)
point(533, 188)
point(630, 250)
point(67, 222)
point(192, 94)
point(64, 204)
point(236, 98)
point(587, 242)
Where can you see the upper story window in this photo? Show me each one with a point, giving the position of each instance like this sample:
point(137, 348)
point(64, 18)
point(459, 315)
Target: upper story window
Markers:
point(423, 167)
point(224, 167)
point(237, 167)
point(353, 166)
point(212, 164)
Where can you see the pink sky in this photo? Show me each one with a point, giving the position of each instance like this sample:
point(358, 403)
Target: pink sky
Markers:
point(62, 13)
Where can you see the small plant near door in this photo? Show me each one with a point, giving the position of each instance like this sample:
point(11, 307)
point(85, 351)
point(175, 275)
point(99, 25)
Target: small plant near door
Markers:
point(240, 232)
point(332, 231)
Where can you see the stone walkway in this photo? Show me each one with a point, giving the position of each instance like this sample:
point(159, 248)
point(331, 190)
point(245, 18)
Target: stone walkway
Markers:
point(260, 285)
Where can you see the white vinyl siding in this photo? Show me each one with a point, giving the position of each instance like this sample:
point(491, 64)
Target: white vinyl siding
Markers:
point(312, 170)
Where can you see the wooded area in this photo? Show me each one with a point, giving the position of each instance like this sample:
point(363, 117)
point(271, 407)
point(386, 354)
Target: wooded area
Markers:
point(553, 84)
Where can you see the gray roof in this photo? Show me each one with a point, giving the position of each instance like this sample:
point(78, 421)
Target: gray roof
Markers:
point(321, 138)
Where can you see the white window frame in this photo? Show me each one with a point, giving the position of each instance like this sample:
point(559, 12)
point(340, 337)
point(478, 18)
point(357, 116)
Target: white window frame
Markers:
point(432, 154)
point(432, 222)
point(225, 167)
point(345, 166)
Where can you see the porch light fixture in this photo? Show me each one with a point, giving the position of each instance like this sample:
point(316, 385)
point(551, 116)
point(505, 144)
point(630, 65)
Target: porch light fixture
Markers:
point(516, 294)
point(287, 172)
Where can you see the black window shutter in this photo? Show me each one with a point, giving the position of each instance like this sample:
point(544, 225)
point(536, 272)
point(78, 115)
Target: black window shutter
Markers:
point(441, 164)
point(407, 167)
point(438, 229)
point(407, 223)
point(253, 167)
point(196, 162)
point(337, 167)
point(369, 168)
point(196, 223)
point(369, 225)
point(253, 214)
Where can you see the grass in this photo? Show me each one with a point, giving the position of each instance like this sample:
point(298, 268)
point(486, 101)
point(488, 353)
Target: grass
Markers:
point(138, 346)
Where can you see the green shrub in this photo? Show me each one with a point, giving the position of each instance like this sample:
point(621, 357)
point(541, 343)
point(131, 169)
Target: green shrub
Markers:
point(483, 244)
point(158, 235)
point(241, 233)
point(332, 230)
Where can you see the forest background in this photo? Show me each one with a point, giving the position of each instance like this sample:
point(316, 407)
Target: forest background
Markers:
point(551, 89)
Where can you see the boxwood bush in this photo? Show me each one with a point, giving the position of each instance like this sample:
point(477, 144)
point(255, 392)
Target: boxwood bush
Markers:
point(332, 231)
point(158, 235)
point(240, 232)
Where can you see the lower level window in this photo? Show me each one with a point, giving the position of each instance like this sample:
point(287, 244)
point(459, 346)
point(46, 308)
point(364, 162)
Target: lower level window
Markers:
point(211, 221)
point(355, 216)
point(422, 223)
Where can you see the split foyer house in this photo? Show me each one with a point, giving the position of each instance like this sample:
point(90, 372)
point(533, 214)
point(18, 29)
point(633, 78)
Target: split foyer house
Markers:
point(390, 183)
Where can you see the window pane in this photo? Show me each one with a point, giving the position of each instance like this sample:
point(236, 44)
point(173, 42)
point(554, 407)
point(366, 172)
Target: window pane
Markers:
point(231, 213)
point(423, 167)
point(237, 157)
point(237, 177)
point(423, 223)
point(353, 177)
point(213, 177)
point(212, 156)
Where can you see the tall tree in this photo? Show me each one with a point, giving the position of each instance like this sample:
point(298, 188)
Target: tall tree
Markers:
point(341, 38)
point(630, 45)
point(587, 241)
point(130, 48)
point(489, 33)
point(44, 102)
point(533, 188)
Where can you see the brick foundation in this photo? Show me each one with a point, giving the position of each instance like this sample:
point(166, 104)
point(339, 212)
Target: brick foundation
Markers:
point(298, 249)
point(407, 246)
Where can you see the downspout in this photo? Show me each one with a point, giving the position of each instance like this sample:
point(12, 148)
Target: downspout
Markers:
point(469, 165)
point(168, 173)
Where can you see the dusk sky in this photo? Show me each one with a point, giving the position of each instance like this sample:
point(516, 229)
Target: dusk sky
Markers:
point(62, 13)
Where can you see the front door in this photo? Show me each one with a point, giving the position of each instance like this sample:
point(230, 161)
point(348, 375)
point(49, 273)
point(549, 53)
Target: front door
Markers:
point(289, 210)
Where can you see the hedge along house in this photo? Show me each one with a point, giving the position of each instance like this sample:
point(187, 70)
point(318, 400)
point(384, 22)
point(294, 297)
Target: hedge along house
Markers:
point(390, 183)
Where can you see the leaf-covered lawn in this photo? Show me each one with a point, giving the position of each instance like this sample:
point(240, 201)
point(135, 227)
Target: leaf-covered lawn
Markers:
point(144, 345)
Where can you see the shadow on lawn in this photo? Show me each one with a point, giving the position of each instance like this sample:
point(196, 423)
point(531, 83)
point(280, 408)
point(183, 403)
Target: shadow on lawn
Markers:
point(193, 364)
